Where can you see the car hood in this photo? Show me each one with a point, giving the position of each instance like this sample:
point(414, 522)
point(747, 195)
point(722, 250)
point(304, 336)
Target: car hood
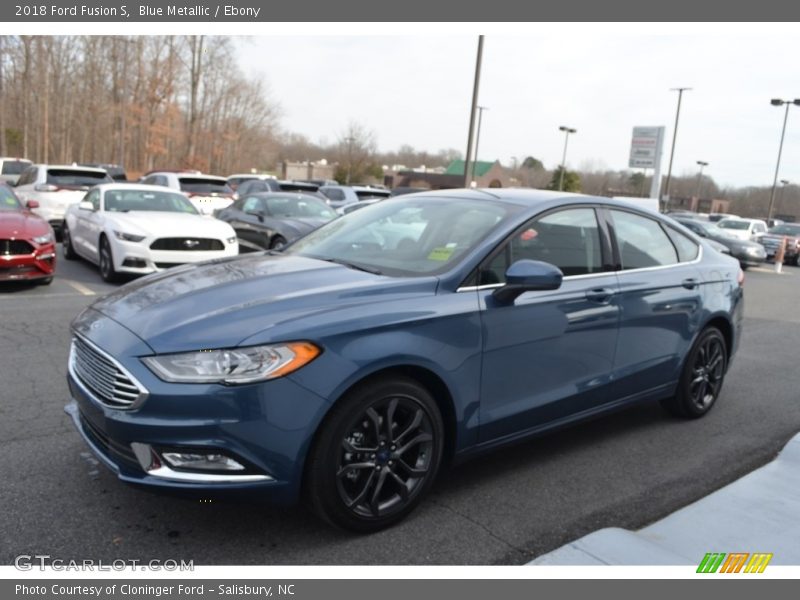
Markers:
point(221, 303)
point(169, 224)
point(21, 225)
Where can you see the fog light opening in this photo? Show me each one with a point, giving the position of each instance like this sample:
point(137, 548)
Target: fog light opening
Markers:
point(197, 461)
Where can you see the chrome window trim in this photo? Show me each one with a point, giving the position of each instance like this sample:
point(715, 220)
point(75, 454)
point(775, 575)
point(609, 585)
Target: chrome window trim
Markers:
point(491, 286)
point(143, 391)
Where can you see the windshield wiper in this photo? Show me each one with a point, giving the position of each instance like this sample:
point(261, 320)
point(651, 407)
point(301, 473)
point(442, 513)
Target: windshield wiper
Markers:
point(350, 265)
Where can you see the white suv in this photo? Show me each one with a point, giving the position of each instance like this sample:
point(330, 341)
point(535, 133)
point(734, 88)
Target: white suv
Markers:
point(744, 229)
point(55, 187)
point(207, 192)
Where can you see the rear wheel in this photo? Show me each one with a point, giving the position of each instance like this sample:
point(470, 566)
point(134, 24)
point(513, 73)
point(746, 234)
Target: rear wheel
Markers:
point(377, 455)
point(702, 377)
point(66, 241)
point(107, 271)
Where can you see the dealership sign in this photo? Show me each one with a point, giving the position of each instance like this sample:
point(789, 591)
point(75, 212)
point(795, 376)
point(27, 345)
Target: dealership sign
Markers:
point(646, 147)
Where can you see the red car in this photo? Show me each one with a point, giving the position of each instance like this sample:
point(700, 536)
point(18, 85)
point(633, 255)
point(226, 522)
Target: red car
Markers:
point(27, 242)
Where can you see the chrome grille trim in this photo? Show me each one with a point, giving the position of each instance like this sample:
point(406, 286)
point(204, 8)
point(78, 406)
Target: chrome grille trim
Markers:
point(103, 377)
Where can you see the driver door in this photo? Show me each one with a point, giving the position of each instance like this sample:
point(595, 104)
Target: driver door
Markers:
point(550, 354)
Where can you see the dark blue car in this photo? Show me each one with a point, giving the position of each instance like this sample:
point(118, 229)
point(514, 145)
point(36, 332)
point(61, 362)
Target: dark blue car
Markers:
point(417, 332)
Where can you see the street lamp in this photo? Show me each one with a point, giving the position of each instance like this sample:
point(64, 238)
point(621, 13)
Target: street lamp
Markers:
point(475, 87)
point(674, 137)
point(349, 140)
point(699, 178)
point(779, 102)
point(784, 183)
point(477, 139)
point(567, 131)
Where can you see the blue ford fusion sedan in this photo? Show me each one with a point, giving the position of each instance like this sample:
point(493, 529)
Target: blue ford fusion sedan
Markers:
point(420, 331)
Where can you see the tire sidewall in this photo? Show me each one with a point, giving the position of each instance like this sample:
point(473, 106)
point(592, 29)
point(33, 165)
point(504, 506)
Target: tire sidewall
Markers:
point(321, 482)
point(689, 408)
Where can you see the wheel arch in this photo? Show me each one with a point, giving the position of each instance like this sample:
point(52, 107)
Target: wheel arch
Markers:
point(430, 380)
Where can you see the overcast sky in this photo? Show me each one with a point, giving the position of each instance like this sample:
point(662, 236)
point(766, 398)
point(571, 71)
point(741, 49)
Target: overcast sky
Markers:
point(417, 90)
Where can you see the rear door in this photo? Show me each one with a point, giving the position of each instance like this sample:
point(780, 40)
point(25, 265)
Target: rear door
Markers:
point(551, 353)
point(660, 296)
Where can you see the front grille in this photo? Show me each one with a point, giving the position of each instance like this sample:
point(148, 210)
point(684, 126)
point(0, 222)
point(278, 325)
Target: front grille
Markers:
point(17, 269)
point(14, 247)
point(112, 386)
point(110, 448)
point(184, 244)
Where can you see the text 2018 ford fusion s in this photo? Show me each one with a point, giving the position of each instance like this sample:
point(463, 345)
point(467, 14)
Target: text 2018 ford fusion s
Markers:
point(396, 339)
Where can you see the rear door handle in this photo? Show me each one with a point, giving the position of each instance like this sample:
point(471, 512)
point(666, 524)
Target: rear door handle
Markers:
point(600, 295)
point(690, 283)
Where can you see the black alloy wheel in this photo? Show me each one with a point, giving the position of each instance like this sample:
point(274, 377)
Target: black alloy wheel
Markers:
point(702, 378)
point(378, 454)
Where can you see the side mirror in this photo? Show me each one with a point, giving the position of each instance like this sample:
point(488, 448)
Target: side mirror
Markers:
point(528, 276)
point(31, 204)
point(86, 205)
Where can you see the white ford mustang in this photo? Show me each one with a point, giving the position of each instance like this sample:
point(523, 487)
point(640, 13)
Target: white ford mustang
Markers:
point(138, 229)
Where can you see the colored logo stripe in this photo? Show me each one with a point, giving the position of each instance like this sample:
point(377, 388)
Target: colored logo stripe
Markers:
point(734, 562)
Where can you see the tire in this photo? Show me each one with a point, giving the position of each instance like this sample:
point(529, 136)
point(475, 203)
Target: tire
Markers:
point(796, 261)
point(363, 475)
point(702, 377)
point(277, 242)
point(66, 241)
point(106, 262)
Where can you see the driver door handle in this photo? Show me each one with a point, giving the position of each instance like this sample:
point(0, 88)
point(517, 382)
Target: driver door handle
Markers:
point(600, 295)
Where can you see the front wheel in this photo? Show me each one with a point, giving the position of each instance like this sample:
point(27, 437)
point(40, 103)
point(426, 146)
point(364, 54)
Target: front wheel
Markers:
point(277, 243)
point(377, 455)
point(107, 270)
point(66, 241)
point(702, 377)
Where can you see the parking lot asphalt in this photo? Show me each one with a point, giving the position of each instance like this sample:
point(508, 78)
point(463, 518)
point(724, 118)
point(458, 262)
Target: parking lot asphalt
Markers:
point(624, 470)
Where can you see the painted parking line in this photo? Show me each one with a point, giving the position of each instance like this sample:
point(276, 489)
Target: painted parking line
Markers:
point(79, 287)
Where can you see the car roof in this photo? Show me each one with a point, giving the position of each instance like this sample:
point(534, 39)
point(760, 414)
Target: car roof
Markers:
point(67, 167)
point(108, 187)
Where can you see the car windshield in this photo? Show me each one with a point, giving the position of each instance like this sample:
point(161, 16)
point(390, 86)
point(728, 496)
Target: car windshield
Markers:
point(8, 201)
point(404, 238)
point(76, 177)
point(786, 229)
point(134, 200)
point(739, 224)
point(294, 207)
point(204, 185)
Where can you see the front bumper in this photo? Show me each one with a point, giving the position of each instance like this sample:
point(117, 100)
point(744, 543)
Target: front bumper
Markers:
point(40, 264)
point(139, 259)
point(268, 427)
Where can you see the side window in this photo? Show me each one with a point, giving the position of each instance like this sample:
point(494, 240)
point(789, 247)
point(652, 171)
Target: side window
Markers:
point(568, 239)
point(687, 249)
point(94, 198)
point(760, 228)
point(252, 204)
point(151, 180)
point(642, 242)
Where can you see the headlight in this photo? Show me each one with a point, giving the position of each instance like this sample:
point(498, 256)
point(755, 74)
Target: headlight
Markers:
point(232, 240)
point(128, 237)
point(44, 239)
point(233, 365)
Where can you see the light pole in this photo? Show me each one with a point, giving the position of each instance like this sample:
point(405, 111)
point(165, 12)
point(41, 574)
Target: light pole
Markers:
point(349, 141)
point(674, 137)
point(784, 183)
point(567, 131)
point(779, 102)
point(477, 139)
point(475, 88)
point(699, 178)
